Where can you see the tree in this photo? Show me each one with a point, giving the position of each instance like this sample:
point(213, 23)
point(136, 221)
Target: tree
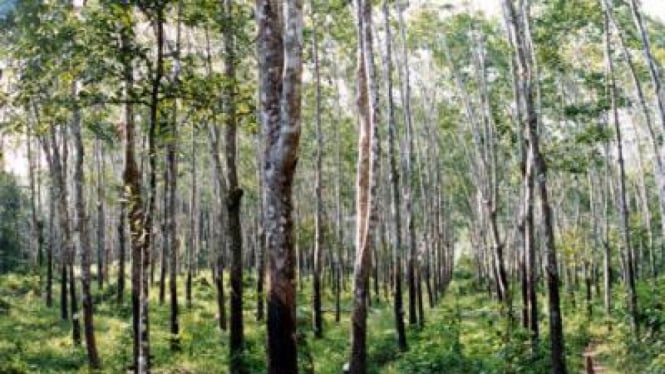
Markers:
point(623, 206)
point(84, 241)
point(132, 196)
point(519, 26)
point(367, 101)
point(279, 46)
point(398, 309)
point(409, 183)
point(318, 220)
point(234, 192)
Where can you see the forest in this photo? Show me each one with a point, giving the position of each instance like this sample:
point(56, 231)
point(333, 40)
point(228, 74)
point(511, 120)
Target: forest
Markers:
point(332, 186)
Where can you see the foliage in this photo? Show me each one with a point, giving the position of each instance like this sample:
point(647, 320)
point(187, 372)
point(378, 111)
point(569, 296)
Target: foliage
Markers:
point(13, 223)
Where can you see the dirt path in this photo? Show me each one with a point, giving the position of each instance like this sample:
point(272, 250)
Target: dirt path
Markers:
point(591, 363)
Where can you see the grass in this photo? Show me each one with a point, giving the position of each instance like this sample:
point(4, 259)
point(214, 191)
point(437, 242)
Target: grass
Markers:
point(464, 333)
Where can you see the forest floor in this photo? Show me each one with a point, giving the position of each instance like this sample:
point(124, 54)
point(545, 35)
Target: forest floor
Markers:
point(463, 333)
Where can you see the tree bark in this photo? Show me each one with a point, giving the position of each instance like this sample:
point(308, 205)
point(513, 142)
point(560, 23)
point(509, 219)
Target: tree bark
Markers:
point(84, 241)
point(132, 197)
point(409, 183)
point(101, 225)
point(623, 205)
point(519, 26)
point(318, 234)
point(367, 167)
point(398, 309)
point(234, 193)
point(279, 46)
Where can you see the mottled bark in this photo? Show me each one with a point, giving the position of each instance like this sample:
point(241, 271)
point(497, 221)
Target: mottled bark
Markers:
point(318, 221)
point(133, 201)
point(367, 164)
point(279, 46)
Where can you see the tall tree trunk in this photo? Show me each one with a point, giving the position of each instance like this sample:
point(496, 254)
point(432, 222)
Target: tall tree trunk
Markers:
point(260, 238)
point(234, 193)
point(659, 167)
point(101, 225)
point(339, 229)
point(318, 234)
point(122, 241)
point(623, 205)
point(51, 245)
point(398, 310)
point(220, 191)
point(651, 62)
point(409, 183)
point(530, 295)
point(191, 246)
point(519, 26)
point(84, 241)
point(132, 196)
point(164, 259)
point(367, 167)
point(279, 46)
point(35, 249)
point(173, 240)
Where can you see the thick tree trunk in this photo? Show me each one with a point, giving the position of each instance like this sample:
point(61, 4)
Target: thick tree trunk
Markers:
point(279, 46)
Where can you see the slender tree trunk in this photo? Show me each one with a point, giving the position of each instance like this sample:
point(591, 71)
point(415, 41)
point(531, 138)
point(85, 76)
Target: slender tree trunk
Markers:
point(409, 183)
point(318, 234)
point(101, 225)
point(649, 58)
point(261, 239)
point(132, 196)
point(164, 260)
point(220, 189)
point(84, 241)
point(173, 240)
point(339, 229)
point(623, 205)
point(51, 246)
point(367, 167)
point(659, 167)
point(234, 194)
point(122, 241)
point(519, 25)
point(35, 249)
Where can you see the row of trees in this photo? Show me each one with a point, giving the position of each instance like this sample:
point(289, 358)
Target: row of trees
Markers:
point(479, 120)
